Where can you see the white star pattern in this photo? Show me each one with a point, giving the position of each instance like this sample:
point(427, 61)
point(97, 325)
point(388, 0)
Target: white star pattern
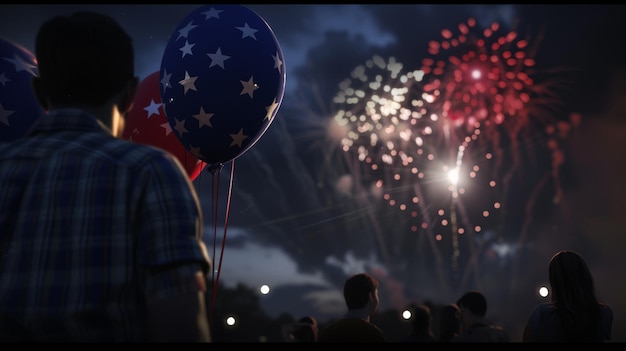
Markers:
point(168, 128)
point(218, 58)
point(4, 115)
point(270, 110)
point(165, 81)
point(278, 63)
point(4, 79)
point(184, 32)
point(186, 49)
point(195, 151)
point(188, 83)
point(211, 13)
point(19, 108)
point(21, 65)
point(204, 119)
point(180, 127)
point(246, 31)
point(238, 138)
point(248, 87)
point(245, 49)
point(153, 108)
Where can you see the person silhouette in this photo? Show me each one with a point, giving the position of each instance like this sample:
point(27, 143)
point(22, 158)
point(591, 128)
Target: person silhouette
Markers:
point(360, 293)
point(421, 319)
point(101, 237)
point(474, 325)
point(304, 329)
point(449, 322)
point(574, 313)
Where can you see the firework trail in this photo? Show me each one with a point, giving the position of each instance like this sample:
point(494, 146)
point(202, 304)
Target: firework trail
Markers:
point(440, 146)
point(385, 139)
point(482, 93)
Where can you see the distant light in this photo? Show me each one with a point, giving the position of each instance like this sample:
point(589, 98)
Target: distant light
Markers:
point(453, 176)
point(230, 321)
point(406, 314)
point(476, 74)
point(543, 291)
point(265, 289)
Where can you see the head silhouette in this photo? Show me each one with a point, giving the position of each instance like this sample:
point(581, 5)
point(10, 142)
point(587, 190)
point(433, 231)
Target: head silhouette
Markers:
point(474, 302)
point(570, 278)
point(573, 294)
point(358, 290)
point(84, 59)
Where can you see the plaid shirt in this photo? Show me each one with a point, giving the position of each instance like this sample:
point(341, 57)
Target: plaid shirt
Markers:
point(89, 224)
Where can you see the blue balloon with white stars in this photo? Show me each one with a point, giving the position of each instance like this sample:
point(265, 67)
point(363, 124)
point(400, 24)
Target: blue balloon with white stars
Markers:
point(19, 109)
point(222, 81)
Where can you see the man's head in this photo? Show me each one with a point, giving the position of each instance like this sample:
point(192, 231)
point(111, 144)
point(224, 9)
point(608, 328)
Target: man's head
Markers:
point(359, 290)
point(421, 317)
point(84, 59)
point(474, 302)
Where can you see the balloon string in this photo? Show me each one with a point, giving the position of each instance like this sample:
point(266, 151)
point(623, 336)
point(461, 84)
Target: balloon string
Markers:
point(215, 180)
point(219, 269)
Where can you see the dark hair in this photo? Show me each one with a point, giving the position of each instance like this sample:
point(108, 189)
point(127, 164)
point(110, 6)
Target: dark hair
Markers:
point(573, 293)
point(421, 318)
point(83, 59)
point(357, 289)
point(475, 302)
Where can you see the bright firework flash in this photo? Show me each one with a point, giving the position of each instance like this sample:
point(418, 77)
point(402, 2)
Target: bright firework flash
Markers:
point(491, 113)
point(385, 138)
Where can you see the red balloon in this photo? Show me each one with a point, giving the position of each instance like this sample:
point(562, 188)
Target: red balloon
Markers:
point(146, 123)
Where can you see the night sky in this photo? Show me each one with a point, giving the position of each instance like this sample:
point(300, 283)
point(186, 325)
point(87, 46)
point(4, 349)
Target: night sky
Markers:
point(304, 215)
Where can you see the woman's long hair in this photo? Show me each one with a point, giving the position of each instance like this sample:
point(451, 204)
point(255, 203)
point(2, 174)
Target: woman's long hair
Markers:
point(573, 294)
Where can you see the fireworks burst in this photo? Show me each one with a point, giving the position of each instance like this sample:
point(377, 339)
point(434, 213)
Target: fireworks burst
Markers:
point(388, 141)
point(486, 83)
point(482, 87)
point(440, 146)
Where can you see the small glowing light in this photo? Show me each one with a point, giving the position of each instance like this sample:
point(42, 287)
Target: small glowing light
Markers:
point(230, 321)
point(406, 314)
point(476, 74)
point(453, 176)
point(543, 291)
point(264, 289)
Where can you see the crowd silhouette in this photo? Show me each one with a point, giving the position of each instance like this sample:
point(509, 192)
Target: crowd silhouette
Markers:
point(464, 320)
